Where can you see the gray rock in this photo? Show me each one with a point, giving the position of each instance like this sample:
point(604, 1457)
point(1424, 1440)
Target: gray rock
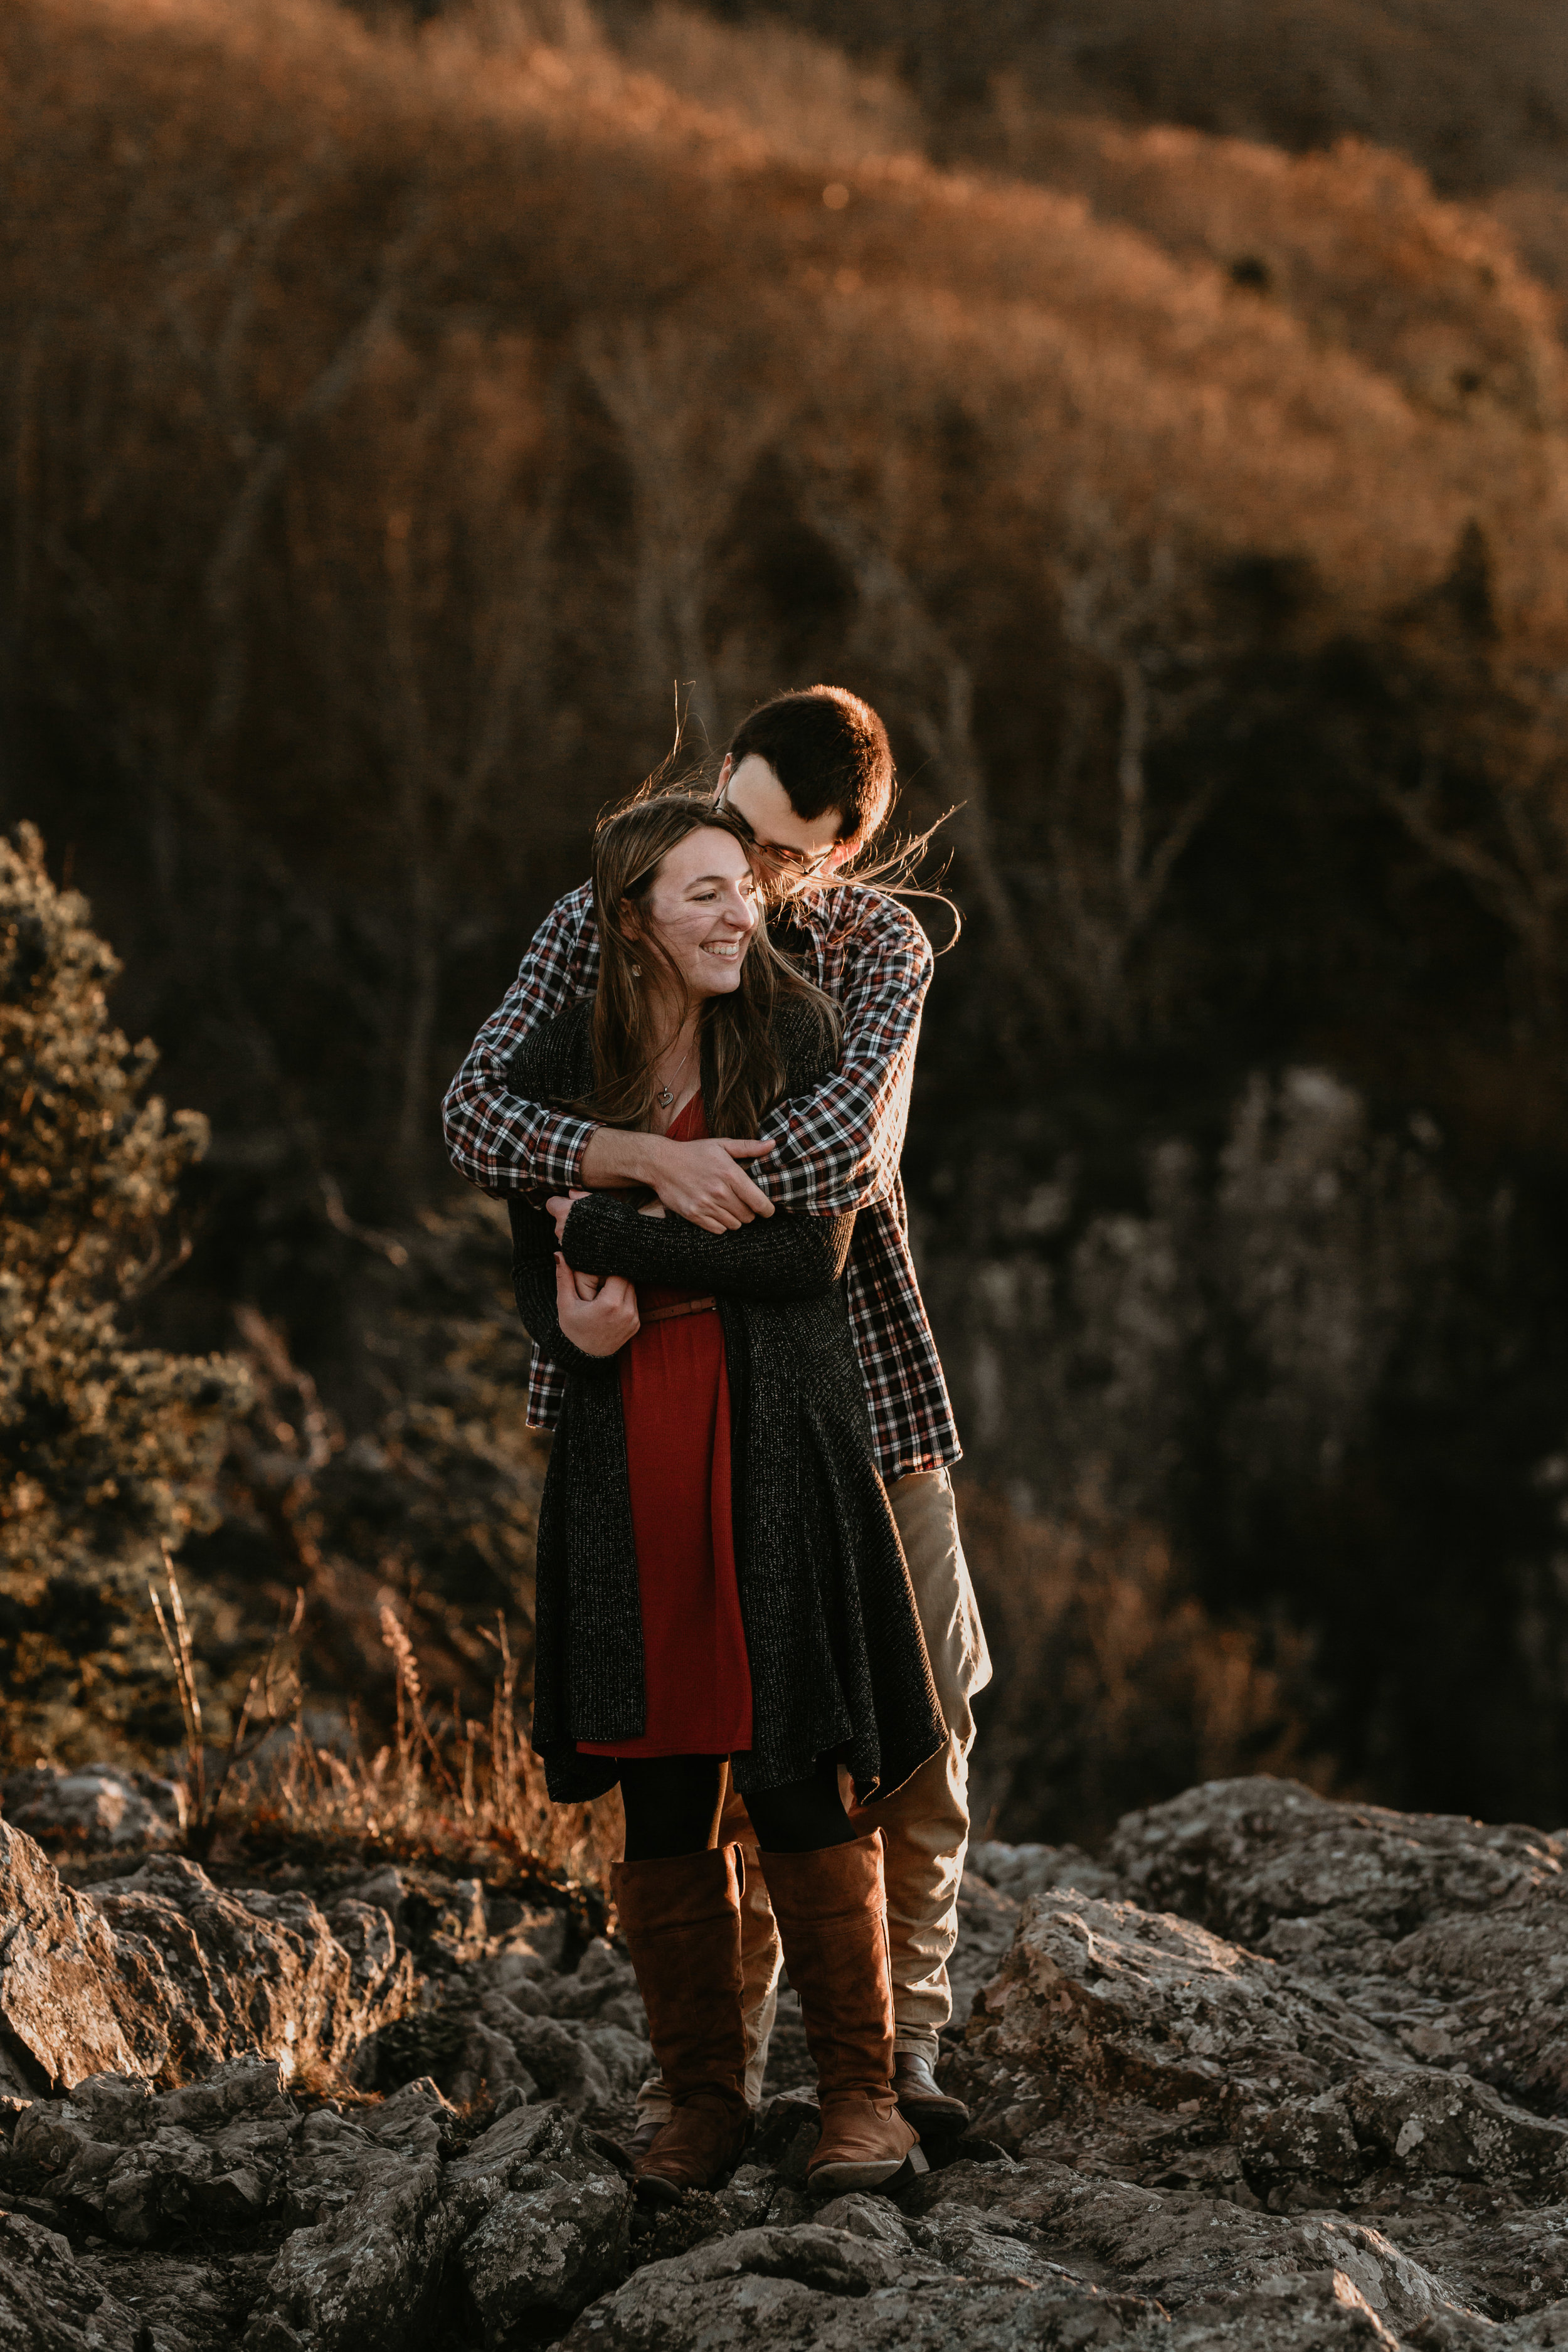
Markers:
point(1325, 2314)
point(51, 2303)
point(1339, 2135)
point(97, 1807)
point(136, 2165)
point(1020, 1871)
point(550, 2248)
point(254, 1970)
point(1100, 2001)
point(1432, 2122)
point(67, 1994)
point(371, 2274)
point(1243, 1856)
point(1179, 2248)
point(562, 2060)
point(544, 2222)
point(1489, 1991)
point(986, 1921)
point(833, 2292)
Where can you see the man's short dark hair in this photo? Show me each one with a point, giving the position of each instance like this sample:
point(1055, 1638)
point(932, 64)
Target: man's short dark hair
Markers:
point(829, 751)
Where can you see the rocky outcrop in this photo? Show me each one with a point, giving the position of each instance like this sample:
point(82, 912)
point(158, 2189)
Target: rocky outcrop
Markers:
point(164, 1975)
point(1272, 2072)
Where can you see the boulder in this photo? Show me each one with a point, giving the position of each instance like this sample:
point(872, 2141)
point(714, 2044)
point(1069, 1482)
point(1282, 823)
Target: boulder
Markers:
point(164, 1975)
point(546, 2222)
point(834, 2291)
point(96, 1808)
point(51, 2303)
point(1489, 1991)
point(252, 1970)
point(1177, 2248)
point(371, 2274)
point(1020, 1871)
point(1343, 2133)
point(1244, 1857)
point(1098, 2001)
point(69, 1998)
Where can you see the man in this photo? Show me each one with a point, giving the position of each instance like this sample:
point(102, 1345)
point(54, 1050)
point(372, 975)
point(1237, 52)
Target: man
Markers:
point(810, 776)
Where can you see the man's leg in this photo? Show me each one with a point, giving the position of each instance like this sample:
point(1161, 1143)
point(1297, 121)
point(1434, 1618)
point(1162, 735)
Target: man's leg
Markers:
point(925, 1824)
point(761, 1962)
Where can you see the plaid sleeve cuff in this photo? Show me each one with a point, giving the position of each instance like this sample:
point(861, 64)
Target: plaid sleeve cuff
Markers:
point(557, 1153)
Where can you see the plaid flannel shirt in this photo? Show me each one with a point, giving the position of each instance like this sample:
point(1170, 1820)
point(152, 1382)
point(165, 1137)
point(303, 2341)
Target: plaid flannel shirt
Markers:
point(835, 1151)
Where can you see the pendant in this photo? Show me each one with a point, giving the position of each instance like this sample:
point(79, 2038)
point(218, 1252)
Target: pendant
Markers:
point(664, 1097)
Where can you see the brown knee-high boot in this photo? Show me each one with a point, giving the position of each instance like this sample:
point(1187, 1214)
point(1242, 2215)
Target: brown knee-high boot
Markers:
point(830, 1910)
point(681, 1920)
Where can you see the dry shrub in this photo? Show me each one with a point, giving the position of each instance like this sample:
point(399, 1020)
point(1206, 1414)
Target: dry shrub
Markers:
point(1114, 1688)
point(800, 92)
point(1353, 243)
point(452, 1788)
point(1476, 109)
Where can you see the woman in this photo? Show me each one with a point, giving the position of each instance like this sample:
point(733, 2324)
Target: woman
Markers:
point(719, 1578)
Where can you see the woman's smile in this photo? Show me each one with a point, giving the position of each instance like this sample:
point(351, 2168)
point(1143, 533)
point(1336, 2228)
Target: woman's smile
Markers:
point(705, 879)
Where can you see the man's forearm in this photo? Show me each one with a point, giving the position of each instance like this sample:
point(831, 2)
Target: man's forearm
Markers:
point(619, 1155)
point(705, 1182)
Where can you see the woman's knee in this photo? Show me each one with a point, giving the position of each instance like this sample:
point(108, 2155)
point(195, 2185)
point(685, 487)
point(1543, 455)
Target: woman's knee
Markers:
point(670, 1804)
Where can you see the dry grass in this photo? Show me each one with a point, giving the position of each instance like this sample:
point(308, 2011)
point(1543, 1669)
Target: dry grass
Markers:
point(445, 1786)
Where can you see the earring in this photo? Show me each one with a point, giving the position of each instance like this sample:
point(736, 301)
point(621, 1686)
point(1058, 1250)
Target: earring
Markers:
point(636, 971)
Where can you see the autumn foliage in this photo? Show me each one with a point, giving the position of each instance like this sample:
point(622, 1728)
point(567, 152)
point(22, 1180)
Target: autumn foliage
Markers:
point(400, 419)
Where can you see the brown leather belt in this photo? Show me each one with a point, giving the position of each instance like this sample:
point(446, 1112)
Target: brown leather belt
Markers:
point(686, 1307)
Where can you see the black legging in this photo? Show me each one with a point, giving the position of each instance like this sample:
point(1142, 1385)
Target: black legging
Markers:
point(672, 1807)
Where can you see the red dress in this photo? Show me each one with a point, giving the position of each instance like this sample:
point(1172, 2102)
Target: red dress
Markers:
point(675, 1399)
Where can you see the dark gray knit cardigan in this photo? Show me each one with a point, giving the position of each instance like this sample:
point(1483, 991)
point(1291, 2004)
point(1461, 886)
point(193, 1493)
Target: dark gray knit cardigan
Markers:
point(838, 1661)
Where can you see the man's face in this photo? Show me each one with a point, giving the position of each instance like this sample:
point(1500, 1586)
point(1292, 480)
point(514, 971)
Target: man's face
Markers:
point(789, 852)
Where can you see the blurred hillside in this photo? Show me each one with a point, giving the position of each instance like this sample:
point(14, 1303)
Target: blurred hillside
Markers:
point(395, 413)
point(1479, 97)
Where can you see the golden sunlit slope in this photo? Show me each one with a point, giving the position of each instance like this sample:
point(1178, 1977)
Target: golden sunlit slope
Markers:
point(1352, 242)
point(502, 189)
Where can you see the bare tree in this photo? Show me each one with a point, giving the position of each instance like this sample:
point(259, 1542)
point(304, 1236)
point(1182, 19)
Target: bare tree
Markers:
point(447, 777)
point(463, 509)
point(1141, 661)
point(1111, 859)
point(693, 421)
point(91, 383)
point(1491, 806)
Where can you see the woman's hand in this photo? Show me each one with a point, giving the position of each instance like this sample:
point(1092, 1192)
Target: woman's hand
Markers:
point(559, 1207)
point(602, 1325)
point(587, 1286)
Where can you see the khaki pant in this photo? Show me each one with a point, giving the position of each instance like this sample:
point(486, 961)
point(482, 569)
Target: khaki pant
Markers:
point(924, 1825)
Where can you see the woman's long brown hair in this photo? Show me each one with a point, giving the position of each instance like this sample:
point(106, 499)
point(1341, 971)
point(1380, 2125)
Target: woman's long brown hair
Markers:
point(742, 1076)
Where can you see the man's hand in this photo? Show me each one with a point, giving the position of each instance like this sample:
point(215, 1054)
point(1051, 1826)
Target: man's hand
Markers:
point(602, 1325)
point(703, 1182)
point(706, 1183)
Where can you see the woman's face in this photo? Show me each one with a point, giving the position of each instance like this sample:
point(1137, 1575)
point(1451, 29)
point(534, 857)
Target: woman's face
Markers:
point(702, 906)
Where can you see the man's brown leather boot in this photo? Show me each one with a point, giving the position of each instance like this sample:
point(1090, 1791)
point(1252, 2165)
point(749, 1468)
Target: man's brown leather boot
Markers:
point(681, 1920)
point(830, 1910)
